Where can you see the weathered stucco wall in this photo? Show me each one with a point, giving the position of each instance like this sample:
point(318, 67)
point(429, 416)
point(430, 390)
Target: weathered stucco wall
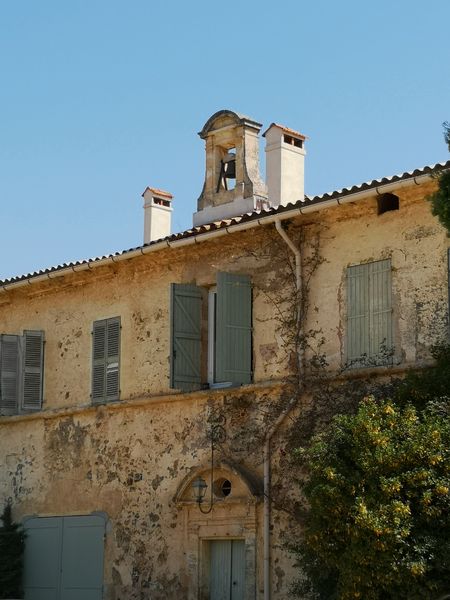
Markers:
point(417, 245)
point(130, 458)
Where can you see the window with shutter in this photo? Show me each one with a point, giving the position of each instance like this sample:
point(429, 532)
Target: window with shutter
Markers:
point(21, 372)
point(226, 345)
point(369, 314)
point(106, 360)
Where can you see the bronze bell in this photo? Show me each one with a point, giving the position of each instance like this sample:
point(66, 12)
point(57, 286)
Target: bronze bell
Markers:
point(227, 170)
point(230, 167)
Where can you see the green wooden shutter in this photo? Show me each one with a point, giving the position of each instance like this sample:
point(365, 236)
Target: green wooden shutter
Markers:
point(233, 360)
point(186, 320)
point(380, 314)
point(32, 371)
point(98, 361)
point(112, 358)
point(369, 313)
point(105, 360)
point(64, 558)
point(357, 314)
point(10, 363)
point(42, 559)
point(82, 558)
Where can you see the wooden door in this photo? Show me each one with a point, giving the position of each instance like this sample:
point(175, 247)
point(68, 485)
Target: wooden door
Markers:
point(227, 570)
point(64, 558)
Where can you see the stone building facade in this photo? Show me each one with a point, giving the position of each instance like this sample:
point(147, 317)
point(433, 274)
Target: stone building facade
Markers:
point(114, 372)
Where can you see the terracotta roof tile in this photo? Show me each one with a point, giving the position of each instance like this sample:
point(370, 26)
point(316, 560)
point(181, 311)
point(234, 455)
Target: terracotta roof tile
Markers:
point(308, 201)
point(287, 130)
point(158, 192)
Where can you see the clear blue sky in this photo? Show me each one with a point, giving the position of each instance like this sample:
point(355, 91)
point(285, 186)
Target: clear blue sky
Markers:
point(99, 99)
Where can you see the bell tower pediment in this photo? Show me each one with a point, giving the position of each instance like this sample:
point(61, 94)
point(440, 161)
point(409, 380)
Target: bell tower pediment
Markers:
point(233, 184)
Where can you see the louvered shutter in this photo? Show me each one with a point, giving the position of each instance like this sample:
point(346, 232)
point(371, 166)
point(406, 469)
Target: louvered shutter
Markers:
point(99, 361)
point(357, 313)
point(105, 360)
point(233, 360)
point(9, 374)
point(186, 318)
point(112, 358)
point(32, 369)
point(380, 314)
point(369, 312)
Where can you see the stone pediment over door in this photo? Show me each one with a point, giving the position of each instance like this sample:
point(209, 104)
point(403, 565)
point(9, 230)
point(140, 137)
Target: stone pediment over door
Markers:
point(232, 522)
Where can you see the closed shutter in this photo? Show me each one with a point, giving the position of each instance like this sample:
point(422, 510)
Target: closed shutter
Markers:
point(98, 361)
point(357, 313)
point(233, 329)
point(380, 314)
point(82, 558)
point(112, 358)
point(186, 318)
point(369, 313)
point(9, 374)
point(32, 373)
point(64, 558)
point(42, 558)
point(106, 360)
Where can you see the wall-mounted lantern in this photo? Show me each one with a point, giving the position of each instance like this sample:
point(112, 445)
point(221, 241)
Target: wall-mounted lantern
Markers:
point(217, 435)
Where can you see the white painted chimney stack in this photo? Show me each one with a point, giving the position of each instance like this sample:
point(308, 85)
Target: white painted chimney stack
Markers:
point(157, 214)
point(285, 165)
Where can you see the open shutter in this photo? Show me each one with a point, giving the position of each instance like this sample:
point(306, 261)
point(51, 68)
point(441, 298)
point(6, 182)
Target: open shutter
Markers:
point(9, 374)
point(32, 371)
point(186, 318)
point(98, 361)
point(380, 323)
point(112, 358)
point(233, 329)
point(358, 308)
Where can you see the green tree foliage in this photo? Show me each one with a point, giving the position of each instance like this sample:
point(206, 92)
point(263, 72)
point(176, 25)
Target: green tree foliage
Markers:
point(430, 387)
point(446, 126)
point(12, 541)
point(440, 199)
point(378, 524)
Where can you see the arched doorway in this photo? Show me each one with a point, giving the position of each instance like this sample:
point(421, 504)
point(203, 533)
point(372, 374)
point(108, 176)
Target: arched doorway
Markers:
point(221, 547)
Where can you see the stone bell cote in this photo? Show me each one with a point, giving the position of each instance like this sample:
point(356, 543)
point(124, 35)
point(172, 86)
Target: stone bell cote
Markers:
point(233, 184)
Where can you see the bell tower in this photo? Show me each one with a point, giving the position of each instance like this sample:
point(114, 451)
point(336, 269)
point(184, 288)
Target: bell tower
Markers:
point(233, 184)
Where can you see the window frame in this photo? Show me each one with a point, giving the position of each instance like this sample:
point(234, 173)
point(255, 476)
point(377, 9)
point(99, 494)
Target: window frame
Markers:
point(373, 311)
point(28, 365)
point(221, 317)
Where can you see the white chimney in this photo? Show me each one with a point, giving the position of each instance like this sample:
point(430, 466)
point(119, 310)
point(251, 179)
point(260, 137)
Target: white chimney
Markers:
point(157, 214)
point(285, 165)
